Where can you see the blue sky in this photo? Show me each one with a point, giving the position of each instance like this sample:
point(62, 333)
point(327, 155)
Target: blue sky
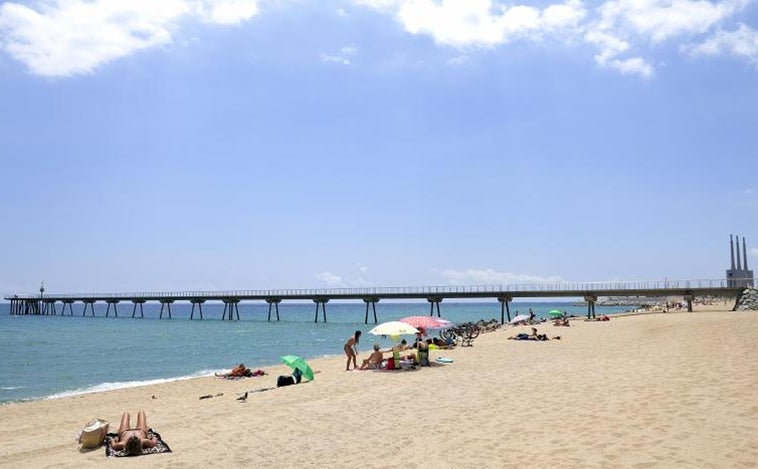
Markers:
point(241, 144)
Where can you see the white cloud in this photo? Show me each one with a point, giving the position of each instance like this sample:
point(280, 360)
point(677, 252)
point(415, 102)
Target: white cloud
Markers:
point(632, 66)
point(474, 23)
point(609, 45)
point(491, 277)
point(659, 20)
point(623, 23)
point(330, 279)
point(740, 43)
point(70, 37)
point(616, 28)
point(458, 61)
point(343, 57)
point(339, 281)
point(226, 11)
point(380, 4)
point(754, 252)
point(748, 192)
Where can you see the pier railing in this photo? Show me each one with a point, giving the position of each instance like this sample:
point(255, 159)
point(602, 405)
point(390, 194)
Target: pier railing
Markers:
point(609, 287)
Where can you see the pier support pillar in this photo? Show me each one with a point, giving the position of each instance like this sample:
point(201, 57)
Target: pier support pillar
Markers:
point(115, 308)
point(590, 299)
point(68, 303)
point(504, 300)
point(434, 300)
point(166, 303)
point(689, 299)
point(141, 311)
point(373, 301)
point(273, 302)
point(91, 305)
point(31, 307)
point(231, 305)
point(322, 302)
point(199, 302)
point(48, 308)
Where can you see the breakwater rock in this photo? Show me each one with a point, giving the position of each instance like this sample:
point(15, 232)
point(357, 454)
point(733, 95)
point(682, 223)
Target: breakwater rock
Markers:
point(636, 301)
point(748, 301)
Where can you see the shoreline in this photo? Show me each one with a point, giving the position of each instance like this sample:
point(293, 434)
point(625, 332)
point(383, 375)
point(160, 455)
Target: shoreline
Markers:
point(115, 386)
point(637, 391)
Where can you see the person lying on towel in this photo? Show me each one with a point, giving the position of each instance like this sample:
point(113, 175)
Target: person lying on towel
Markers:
point(133, 439)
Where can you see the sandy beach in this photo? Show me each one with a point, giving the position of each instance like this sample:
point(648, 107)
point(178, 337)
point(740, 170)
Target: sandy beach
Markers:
point(660, 390)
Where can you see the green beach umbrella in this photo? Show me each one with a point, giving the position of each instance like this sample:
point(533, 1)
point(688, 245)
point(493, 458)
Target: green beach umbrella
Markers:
point(293, 361)
point(555, 312)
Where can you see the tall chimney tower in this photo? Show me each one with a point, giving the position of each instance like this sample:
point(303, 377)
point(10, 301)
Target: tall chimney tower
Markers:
point(744, 252)
point(739, 275)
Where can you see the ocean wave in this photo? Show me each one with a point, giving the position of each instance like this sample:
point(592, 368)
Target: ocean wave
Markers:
point(103, 387)
point(11, 388)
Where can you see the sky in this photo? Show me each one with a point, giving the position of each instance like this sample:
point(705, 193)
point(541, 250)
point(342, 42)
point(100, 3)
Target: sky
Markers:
point(212, 145)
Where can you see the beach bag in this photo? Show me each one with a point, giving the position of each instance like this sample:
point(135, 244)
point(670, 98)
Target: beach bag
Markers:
point(93, 434)
point(285, 380)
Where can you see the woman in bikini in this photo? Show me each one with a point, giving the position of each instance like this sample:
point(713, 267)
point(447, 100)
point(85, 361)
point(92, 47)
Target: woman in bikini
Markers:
point(351, 349)
point(133, 439)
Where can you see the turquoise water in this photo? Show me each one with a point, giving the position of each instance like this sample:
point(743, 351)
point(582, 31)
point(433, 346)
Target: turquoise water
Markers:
point(52, 356)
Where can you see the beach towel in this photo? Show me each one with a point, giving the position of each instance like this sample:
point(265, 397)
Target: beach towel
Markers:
point(160, 447)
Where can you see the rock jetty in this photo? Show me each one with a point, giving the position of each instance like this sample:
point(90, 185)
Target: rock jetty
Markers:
point(748, 301)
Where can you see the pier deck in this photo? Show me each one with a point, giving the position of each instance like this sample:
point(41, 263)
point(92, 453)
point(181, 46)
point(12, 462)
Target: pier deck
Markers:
point(44, 303)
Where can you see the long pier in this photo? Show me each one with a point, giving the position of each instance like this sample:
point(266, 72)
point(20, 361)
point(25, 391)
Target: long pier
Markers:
point(45, 303)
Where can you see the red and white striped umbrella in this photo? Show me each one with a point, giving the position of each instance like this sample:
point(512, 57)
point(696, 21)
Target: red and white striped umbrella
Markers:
point(427, 322)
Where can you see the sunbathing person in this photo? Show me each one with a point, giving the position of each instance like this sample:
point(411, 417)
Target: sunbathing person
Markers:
point(443, 344)
point(133, 439)
point(374, 361)
point(238, 371)
point(533, 336)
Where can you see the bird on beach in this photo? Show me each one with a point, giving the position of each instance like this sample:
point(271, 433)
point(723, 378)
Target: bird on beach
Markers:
point(243, 397)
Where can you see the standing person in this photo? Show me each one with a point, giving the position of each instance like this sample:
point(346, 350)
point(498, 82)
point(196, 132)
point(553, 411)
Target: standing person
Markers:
point(351, 349)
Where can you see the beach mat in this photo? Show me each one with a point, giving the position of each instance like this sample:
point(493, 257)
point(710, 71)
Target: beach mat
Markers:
point(160, 446)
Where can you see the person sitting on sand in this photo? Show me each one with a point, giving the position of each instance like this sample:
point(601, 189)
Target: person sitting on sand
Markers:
point(133, 439)
point(351, 349)
point(403, 347)
point(561, 322)
point(374, 361)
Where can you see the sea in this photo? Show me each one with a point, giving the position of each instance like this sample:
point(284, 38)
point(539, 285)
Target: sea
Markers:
point(48, 357)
